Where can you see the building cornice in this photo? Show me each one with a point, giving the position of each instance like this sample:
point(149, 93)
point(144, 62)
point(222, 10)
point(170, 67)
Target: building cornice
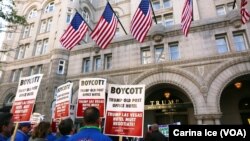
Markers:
point(166, 64)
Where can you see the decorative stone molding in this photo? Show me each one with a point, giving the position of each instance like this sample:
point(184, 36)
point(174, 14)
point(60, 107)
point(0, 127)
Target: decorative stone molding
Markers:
point(157, 32)
point(208, 116)
point(97, 49)
point(235, 18)
point(204, 89)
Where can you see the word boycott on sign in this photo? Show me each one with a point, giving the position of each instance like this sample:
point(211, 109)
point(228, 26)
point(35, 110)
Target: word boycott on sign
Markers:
point(210, 132)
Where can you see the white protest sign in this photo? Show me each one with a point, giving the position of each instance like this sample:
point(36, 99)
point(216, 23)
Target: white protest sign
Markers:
point(125, 110)
point(91, 93)
point(26, 97)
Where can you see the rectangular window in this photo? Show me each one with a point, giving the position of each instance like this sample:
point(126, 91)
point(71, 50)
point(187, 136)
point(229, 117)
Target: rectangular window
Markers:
point(221, 43)
point(39, 46)
point(31, 29)
point(169, 20)
point(97, 63)
point(159, 54)
point(145, 55)
point(43, 26)
point(108, 61)
point(68, 18)
point(13, 76)
point(230, 6)
point(21, 52)
point(167, 3)
point(61, 67)
point(49, 24)
point(159, 20)
point(240, 41)
point(174, 53)
point(26, 31)
point(32, 70)
point(20, 74)
point(39, 69)
point(156, 4)
point(86, 65)
point(220, 10)
point(45, 46)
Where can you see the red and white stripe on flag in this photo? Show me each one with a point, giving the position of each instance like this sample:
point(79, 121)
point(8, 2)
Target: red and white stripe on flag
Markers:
point(74, 33)
point(106, 28)
point(245, 16)
point(187, 16)
point(142, 21)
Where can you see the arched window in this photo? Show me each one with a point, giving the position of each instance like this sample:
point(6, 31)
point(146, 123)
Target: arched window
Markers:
point(85, 15)
point(50, 7)
point(32, 14)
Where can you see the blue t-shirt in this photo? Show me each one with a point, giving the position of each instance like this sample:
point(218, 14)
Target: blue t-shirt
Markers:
point(20, 136)
point(63, 138)
point(89, 133)
point(3, 138)
point(51, 137)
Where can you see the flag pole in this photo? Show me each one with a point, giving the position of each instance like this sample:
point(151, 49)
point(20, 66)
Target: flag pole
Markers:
point(117, 18)
point(192, 10)
point(234, 4)
point(153, 11)
point(85, 21)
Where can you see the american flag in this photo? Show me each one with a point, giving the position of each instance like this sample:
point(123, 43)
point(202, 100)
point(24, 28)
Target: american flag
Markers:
point(187, 16)
point(106, 28)
point(75, 32)
point(142, 21)
point(245, 16)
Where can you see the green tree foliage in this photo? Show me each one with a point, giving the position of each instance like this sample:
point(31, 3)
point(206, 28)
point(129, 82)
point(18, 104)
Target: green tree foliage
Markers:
point(9, 14)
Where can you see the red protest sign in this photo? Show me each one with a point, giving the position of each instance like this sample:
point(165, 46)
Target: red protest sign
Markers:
point(91, 93)
point(125, 110)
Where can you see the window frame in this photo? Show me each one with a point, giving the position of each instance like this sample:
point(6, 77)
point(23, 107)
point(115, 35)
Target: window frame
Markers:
point(97, 63)
point(62, 66)
point(147, 56)
point(108, 61)
point(245, 43)
point(218, 46)
point(221, 13)
point(86, 65)
point(170, 47)
point(162, 57)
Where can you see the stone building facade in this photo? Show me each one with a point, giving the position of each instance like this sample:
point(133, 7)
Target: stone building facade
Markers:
point(199, 79)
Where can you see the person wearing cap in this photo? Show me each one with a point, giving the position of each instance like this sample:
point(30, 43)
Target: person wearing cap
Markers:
point(90, 131)
point(22, 132)
point(6, 125)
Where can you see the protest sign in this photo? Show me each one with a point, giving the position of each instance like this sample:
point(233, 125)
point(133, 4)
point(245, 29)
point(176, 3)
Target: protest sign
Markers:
point(125, 110)
point(91, 93)
point(25, 97)
point(63, 101)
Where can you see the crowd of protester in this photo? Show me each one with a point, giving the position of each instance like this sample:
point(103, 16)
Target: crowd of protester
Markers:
point(91, 130)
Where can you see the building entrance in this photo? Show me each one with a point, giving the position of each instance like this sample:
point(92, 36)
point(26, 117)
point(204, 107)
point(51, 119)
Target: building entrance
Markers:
point(235, 101)
point(168, 104)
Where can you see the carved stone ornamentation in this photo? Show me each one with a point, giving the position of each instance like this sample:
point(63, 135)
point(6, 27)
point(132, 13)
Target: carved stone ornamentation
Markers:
point(157, 32)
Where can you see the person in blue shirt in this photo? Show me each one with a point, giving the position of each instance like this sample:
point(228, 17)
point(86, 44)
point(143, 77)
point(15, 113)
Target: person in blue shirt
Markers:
point(90, 131)
point(23, 131)
point(66, 129)
point(6, 125)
